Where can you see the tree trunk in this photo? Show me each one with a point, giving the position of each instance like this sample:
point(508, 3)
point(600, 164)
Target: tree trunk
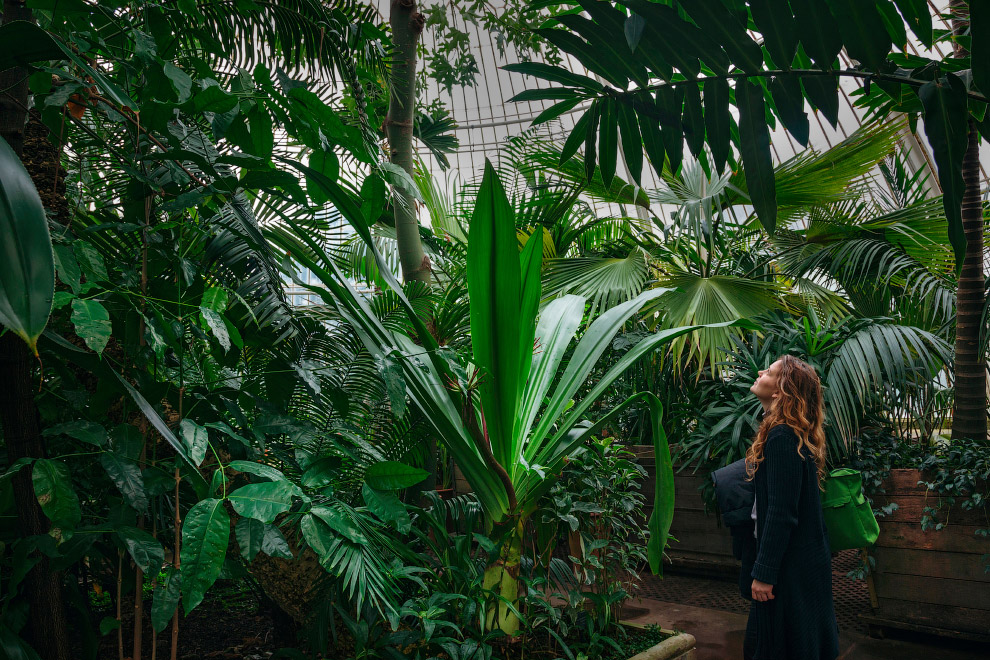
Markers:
point(969, 415)
point(407, 28)
point(46, 630)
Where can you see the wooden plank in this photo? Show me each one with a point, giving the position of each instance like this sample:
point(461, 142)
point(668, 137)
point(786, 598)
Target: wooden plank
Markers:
point(954, 538)
point(881, 622)
point(964, 619)
point(950, 565)
point(934, 591)
point(910, 508)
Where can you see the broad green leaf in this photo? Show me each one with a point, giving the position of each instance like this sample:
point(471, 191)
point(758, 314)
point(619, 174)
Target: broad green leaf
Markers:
point(261, 132)
point(947, 129)
point(108, 624)
point(395, 384)
point(91, 262)
point(215, 323)
point(266, 471)
point(780, 36)
point(27, 265)
point(147, 553)
point(754, 144)
point(317, 534)
point(322, 472)
point(88, 432)
point(92, 323)
point(23, 42)
point(213, 99)
point(263, 501)
point(196, 439)
point(126, 475)
point(817, 30)
point(694, 119)
point(53, 488)
point(388, 507)
point(326, 163)
point(250, 533)
point(591, 138)
point(181, 82)
point(634, 26)
point(166, 599)
point(608, 141)
point(576, 137)
point(205, 535)
point(340, 523)
point(274, 544)
point(67, 268)
point(392, 475)
point(717, 124)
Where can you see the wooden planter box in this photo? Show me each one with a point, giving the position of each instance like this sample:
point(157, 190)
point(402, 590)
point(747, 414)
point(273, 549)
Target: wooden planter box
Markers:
point(929, 581)
point(703, 546)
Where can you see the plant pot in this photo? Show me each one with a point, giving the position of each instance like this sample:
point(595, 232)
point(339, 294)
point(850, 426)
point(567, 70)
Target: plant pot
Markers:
point(930, 581)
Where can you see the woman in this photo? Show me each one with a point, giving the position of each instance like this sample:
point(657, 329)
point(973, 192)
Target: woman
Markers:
point(792, 616)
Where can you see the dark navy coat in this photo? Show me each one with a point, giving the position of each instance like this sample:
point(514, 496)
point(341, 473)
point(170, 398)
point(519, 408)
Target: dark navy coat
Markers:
point(790, 552)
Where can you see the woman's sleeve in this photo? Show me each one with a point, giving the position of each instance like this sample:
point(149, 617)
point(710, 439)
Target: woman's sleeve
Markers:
point(783, 480)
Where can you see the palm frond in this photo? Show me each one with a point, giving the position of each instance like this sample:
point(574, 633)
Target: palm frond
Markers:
point(604, 281)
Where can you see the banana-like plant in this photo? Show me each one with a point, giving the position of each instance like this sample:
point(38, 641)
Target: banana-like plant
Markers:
point(507, 418)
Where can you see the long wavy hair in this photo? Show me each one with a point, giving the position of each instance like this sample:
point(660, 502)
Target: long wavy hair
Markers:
point(801, 405)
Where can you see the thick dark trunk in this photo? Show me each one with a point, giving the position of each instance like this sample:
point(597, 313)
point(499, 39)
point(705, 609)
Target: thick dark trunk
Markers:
point(407, 28)
point(46, 630)
point(969, 415)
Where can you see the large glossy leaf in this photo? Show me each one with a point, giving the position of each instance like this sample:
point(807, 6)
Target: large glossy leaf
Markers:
point(754, 143)
point(205, 535)
point(92, 323)
point(53, 488)
point(126, 475)
point(166, 599)
point(250, 534)
point(196, 438)
point(147, 553)
point(388, 507)
point(947, 129)
point(341, 523)
point(263, 501)
point(23, 42)
point(392, 475)
point(27, 265)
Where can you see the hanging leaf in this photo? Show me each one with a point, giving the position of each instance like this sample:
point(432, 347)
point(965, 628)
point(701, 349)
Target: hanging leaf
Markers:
point(574, 140)
point(862, 30)
point(205, 535)
point(92, 323)
point(166, 599)
point(786, 92)
point(670, 105)
point(274, 544)
point(717, 121)
point(126, 475)
point(979, 34)
point(196, 439)
point(780, 35)
point(608, 142)
point(53, 488)
point(249, 533)
point(694, 119)
point(632, 143)
point(947, 129)
point(754, 144)
point(392, 475)
point(823, 94)
point(263, 501)
point(27, 265)
point(728, 29)
point(147, 553)
point(817, 31)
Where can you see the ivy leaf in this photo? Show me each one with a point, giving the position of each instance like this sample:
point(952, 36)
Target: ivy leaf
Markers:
point(126, 475)
point(205, 535)
point(92, 323)
point(145, 550)
point(166, 599)
point(53, 487)
point(263, 501)
point(392, 475)
point(196, 438)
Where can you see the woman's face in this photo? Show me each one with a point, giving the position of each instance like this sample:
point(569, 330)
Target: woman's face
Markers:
point(765, 388)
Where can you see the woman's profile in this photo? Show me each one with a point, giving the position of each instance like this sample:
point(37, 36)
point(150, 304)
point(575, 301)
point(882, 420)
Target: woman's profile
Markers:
point(792, 616)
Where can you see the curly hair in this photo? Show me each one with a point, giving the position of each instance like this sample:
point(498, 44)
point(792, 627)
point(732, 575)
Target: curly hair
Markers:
point(800, 405)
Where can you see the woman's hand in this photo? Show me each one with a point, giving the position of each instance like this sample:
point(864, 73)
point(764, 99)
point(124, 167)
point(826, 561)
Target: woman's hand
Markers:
point(762, 591)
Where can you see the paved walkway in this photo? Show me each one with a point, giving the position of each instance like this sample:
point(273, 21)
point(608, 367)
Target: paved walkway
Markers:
point(719, 634)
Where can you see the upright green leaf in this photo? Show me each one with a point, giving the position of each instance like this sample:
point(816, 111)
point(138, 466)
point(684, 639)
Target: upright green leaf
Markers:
point(979, 50)
point(147, 553)
point(92, 323)
point(263, 501)
point(392, 475)
point(205, 535)
point(126, 475)
point(717, 124)
point(754, 144)
point(947, 128)
point(53, 488)
point(27, 265)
